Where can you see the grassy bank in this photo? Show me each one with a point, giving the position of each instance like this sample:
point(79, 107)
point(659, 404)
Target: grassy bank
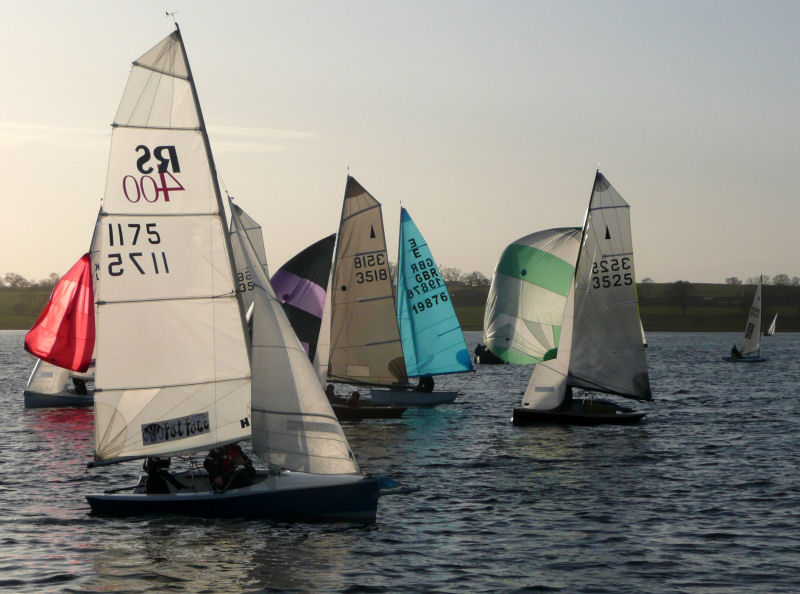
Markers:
point(664, 307)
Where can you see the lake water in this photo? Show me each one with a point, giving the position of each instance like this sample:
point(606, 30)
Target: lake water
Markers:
point(702, 496)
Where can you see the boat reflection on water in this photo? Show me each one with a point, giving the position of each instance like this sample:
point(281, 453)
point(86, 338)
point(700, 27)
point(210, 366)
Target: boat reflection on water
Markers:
point(217, 556)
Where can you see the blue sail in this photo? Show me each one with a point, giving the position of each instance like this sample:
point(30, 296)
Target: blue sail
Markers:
point(433, 343)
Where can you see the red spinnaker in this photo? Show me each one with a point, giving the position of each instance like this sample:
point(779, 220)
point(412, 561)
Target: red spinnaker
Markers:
point(64, 333)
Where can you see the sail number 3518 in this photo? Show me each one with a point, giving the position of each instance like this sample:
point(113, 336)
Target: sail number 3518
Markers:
point(376, 263)
point(611, 272)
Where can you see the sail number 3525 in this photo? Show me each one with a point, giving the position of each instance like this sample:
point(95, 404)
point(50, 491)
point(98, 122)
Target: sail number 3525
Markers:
point(611, 272)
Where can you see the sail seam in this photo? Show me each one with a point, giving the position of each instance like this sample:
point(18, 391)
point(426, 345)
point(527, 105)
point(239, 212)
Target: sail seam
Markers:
point(159, 71)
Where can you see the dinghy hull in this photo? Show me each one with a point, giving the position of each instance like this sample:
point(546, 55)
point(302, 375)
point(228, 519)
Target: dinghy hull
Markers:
point(411, 398)
point(589, 412)
point(745, 359)
point(345, 412)
point(313, 498)
point(35, 399)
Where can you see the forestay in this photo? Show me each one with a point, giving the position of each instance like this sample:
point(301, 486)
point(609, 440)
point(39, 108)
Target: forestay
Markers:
point(433, 343)
point(526, 301)
point(294, 426)
point(173, 371)
point(365, 342)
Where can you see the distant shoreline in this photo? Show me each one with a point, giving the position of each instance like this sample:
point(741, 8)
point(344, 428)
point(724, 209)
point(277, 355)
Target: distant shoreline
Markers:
point(669, 307)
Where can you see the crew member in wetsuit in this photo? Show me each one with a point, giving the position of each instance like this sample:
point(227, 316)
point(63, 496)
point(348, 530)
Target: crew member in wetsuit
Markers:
point(229, 468)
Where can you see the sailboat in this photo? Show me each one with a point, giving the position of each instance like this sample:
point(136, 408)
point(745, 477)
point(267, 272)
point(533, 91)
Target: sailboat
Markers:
point(522, 320)
point(177, 369)
point(771, 330)
point(62, 339)
point(366, 344)
point(51, 386)
point(600, 348)
point(750, 349)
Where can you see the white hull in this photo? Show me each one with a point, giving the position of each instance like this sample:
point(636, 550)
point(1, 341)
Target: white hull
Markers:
point(411, 398)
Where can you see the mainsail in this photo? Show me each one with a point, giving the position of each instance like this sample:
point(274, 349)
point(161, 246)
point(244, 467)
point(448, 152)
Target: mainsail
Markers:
point(751, 343)
point(601, 342)
point(433, 343)
point(294, 426)
point(522, 322)
point(365, 341)
point(64, 334)
point(173, 372)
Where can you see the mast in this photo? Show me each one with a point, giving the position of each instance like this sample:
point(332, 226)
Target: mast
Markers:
point(214, 179)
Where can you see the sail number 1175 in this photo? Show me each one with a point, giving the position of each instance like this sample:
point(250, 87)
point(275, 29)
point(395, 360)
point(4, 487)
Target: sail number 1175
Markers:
point(612, 272)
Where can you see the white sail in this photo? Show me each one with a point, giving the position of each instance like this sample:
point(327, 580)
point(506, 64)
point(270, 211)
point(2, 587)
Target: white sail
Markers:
point(294, 426)
point(322, 355)
point(244, 276)
point(548, 383)
point(365, 341)
point(751, 343)
point(601, 342)
point(173, 372)
point(771, 329)
point(522, 322)
point(607, 350)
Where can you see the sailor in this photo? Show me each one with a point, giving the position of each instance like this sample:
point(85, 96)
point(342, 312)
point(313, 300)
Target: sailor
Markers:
point(354, 399)
point(229, 468)
point(157, 475)
point(329, 392)
point(735, 353)
point(425, 384)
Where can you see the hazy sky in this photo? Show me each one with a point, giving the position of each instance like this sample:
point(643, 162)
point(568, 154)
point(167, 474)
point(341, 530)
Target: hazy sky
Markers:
point(486, 120)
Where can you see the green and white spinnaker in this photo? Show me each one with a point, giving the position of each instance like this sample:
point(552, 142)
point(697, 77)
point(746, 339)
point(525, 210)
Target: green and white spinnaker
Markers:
point(522, 323)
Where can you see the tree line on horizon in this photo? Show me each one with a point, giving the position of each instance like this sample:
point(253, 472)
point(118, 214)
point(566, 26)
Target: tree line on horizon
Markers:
point(12, 280)
point(449, 274)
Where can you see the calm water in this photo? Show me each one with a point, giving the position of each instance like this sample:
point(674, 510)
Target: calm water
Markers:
point(703, 496)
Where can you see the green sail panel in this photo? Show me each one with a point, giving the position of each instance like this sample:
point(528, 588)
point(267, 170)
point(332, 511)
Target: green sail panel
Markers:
point(522, 323)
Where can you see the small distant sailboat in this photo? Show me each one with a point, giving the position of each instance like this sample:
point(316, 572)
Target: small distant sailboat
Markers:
point(526, 301)
point(750, 349)
point(600, 347)
point(63, 341)
point(178, 369)
point(366, 331)
point(771, 330)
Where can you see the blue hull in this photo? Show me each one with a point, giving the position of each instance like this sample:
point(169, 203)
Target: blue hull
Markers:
point(753, 359)
point(335, 503)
